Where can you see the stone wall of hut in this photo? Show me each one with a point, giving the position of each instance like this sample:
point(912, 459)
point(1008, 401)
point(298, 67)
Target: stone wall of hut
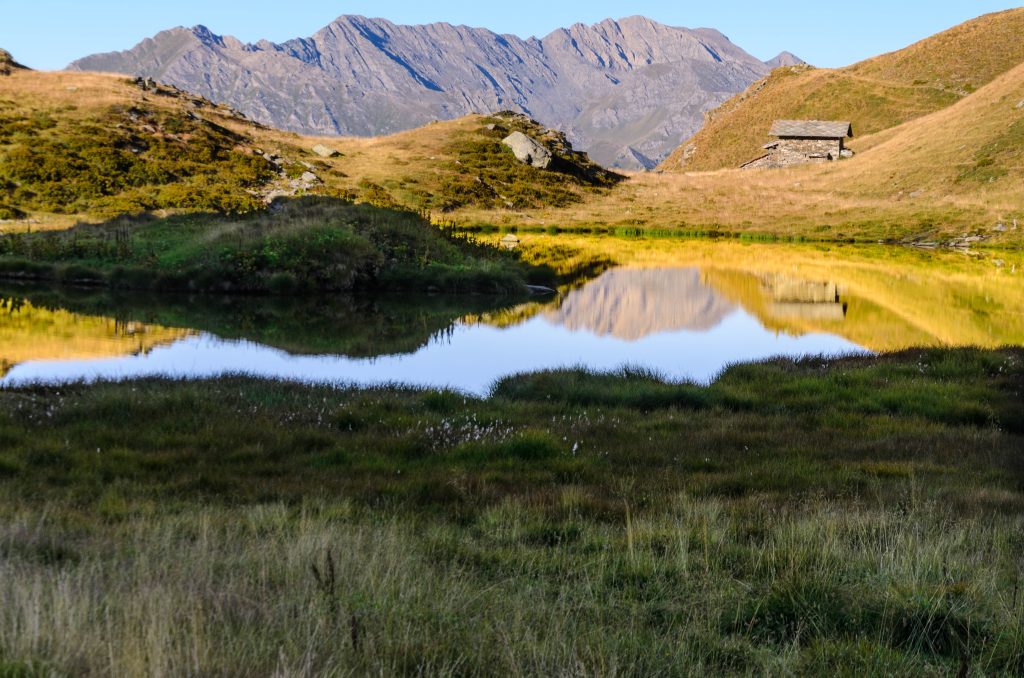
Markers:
point(789, 152)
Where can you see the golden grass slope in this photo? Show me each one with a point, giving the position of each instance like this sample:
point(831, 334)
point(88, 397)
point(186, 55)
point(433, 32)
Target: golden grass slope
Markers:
point(956, 174)
point(875, 95)
point(116, 148)
point(971, 151)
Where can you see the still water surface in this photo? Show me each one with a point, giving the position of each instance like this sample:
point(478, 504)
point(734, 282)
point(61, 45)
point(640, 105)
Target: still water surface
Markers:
point(685, 310)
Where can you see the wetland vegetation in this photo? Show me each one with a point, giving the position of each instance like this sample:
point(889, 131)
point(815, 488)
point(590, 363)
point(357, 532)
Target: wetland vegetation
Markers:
point(793, 517)
point(856, 514)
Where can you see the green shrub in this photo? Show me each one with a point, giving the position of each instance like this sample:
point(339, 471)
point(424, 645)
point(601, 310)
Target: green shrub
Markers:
point(376, 195)
point(129, 160)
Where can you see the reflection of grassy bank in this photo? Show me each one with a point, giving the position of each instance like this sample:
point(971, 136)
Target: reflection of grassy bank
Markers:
point(895, 297)
point(364, 326)
point(859, 515)
point(36, 332)
point(311, 245)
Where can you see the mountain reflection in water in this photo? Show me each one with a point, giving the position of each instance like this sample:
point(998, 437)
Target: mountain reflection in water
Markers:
point(632, 303)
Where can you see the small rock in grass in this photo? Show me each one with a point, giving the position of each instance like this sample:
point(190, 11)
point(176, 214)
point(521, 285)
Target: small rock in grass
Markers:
point(325, 152)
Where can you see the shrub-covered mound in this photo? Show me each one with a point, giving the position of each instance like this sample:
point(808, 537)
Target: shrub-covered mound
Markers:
point(484, 173)
point(128, 159)
point(304, 245)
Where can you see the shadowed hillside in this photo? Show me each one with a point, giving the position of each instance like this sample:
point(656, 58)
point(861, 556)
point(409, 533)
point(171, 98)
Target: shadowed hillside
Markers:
point(875, 95)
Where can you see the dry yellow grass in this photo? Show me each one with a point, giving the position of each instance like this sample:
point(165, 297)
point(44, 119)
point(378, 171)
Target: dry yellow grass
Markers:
point(953, 173)
point(80, 94)
point(876, 94)
point(905, 183)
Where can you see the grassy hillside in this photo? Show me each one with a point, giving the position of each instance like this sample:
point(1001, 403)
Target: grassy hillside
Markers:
point(86, 147)
point(848, 517)
point(875, 95)
point(103, 146)
point(458, 164)
point(973, 147)
point(951, 177)
point(91, 146)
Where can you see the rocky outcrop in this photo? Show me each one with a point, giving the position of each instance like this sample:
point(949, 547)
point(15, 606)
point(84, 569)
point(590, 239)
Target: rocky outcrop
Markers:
point(286, 185)
point(325, 151)
point(528, 151)
point(7, 63)
point(627, 91)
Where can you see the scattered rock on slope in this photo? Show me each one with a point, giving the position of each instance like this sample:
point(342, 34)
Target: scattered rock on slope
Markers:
point(325, 152)
point(528, 151)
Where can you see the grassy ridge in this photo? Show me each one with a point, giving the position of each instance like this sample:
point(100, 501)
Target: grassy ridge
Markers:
point(95, 146)
point(875, 95)
point(857, 515)
point(303, 245)
point(485, 174)
point(461, 164)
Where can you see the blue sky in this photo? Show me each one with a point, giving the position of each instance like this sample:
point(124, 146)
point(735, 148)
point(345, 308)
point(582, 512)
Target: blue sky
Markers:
point(48, 34)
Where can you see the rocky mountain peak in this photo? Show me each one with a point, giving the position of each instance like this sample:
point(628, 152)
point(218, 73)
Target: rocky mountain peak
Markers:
point(785, 59)
point(627, 90)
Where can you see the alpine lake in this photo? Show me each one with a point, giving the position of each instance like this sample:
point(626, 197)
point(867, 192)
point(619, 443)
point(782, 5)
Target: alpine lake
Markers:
point(683, 309)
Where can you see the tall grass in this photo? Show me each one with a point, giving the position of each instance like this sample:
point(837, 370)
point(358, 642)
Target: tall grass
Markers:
point(705, 586)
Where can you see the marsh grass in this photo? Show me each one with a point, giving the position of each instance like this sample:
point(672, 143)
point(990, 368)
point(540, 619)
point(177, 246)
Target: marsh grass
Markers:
point(781, 522)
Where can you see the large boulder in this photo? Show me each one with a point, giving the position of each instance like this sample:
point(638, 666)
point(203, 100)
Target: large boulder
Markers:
point(528, 150)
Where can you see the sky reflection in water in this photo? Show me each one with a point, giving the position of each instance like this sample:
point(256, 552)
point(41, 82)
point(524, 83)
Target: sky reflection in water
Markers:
point(667, 320)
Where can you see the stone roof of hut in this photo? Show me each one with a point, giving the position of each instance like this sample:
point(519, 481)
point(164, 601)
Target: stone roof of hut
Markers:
point(811, 129)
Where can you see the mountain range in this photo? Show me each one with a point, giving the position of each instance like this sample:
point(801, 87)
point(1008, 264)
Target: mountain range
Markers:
point(627, 91)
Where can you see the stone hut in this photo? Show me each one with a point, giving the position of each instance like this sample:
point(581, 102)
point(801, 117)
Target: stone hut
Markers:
point(799, 142)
